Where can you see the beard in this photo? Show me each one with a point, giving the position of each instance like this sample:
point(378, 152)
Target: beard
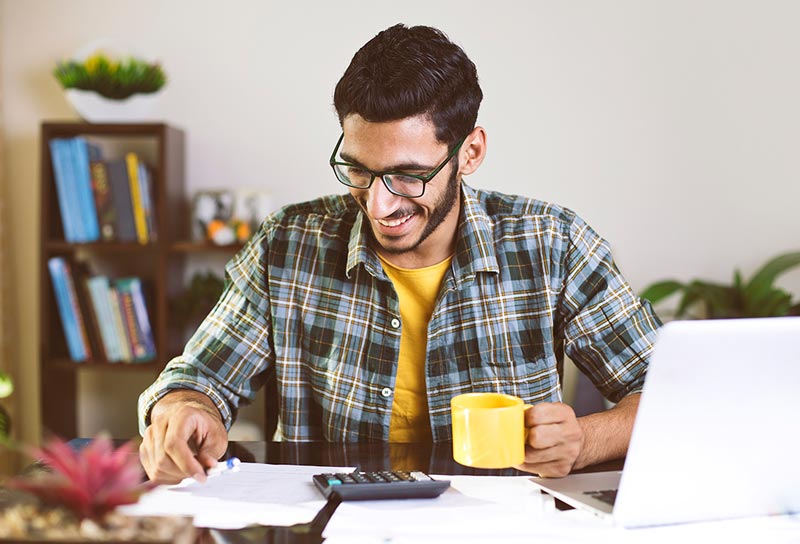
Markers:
point(442, 207)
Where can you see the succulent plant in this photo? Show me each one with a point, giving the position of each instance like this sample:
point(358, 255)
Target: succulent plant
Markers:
point(90, 482)
point(111, 78)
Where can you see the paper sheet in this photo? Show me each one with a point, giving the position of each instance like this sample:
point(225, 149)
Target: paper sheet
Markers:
point(479, 509)
point(256, 494)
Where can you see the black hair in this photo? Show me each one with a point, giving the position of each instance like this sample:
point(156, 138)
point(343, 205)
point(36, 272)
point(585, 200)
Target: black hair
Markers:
point(407, 71)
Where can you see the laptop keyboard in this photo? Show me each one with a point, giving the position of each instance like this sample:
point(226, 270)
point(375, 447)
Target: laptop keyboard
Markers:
point(607, 496)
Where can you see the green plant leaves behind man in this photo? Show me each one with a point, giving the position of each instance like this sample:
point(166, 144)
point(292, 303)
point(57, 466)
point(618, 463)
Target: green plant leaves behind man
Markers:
point(110, 78)
point(758, 297)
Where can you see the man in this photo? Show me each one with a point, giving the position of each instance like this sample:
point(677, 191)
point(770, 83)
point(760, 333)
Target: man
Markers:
point(373, 309)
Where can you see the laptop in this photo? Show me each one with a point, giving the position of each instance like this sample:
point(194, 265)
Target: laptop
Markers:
point(717, 434)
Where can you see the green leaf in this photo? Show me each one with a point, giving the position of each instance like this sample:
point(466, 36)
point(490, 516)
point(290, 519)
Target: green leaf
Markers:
point(661, 290)
point(719, 300)
point(761, 283)
point(775, 303)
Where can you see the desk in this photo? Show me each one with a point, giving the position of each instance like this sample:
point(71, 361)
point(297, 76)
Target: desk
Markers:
point(431, 458)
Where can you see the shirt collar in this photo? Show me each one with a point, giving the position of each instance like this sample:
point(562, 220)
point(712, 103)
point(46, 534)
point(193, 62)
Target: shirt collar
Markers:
point(474, 252)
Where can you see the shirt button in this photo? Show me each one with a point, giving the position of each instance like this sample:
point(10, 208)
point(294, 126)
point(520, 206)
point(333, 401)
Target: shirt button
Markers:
point(386, 392)
point(395, 323)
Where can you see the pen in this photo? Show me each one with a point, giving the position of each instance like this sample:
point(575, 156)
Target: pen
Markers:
point(224, 467)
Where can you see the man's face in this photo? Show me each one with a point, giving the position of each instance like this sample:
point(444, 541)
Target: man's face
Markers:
point(409, 232)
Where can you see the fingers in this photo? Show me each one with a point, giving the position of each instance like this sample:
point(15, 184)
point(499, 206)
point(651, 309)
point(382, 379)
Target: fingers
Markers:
point(554, 439)
point(182, 445)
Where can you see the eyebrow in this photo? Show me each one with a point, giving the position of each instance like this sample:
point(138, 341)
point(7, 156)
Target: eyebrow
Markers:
point(403, 167)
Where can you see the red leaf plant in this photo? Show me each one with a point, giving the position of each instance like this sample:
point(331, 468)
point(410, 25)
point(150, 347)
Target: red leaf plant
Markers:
point(90, 482)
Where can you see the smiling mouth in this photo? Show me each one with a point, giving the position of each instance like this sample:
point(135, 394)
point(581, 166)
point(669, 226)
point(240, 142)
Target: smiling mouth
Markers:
point(395, 222)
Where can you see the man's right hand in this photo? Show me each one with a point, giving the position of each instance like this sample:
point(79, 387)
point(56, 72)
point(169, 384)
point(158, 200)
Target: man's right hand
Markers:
point(186, 436)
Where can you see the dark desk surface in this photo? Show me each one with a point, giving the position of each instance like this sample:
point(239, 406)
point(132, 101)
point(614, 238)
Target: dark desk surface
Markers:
point(432, 458)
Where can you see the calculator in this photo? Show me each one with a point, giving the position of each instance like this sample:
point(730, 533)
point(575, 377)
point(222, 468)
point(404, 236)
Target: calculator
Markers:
point(368, 486)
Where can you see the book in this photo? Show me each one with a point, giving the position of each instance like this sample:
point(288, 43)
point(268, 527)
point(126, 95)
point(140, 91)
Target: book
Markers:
point(132, 161)
point(69, 309)
point(125, 227)
point(146, 186)
point(104, 206)
point(135, 318)
point(91, 320)
point(100, 295)
point(134, 285)
point(67, 202)
point(118, 322)
point(79, 148)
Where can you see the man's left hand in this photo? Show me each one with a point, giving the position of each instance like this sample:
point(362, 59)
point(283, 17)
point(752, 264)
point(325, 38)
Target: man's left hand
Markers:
point(555, 439)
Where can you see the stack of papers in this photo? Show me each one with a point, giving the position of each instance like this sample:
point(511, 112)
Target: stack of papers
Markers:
point(257, 494)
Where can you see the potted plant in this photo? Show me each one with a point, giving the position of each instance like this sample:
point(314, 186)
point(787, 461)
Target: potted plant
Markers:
point(71, 494)
point(104, 87)
point(757, 297)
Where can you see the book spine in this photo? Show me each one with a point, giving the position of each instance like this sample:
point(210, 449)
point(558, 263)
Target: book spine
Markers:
point(124, 342)
point(63, 191)
point(83, 187)
point(98, 291)
point(121, 198)
point(134, 333)
point(140, 221)
point(142, 317)
point(67, 308)
point(106, 215)
point(91, 319)
point(146, 184)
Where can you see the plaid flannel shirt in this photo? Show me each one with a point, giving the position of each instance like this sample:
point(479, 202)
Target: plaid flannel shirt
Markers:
point(307, 303)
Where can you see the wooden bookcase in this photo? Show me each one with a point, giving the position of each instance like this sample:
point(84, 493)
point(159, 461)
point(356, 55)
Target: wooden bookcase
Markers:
point(160, 263)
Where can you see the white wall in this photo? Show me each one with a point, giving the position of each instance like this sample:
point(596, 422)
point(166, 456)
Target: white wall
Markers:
point(671, 126)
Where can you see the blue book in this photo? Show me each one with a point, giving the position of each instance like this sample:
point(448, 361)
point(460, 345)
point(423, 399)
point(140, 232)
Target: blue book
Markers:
point(68, 309)
point(99, 291)
point(83, 188)
point(137, 322)
point(62, 174)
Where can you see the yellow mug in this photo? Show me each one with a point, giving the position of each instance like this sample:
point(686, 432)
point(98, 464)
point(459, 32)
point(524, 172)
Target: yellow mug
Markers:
point(488, 430)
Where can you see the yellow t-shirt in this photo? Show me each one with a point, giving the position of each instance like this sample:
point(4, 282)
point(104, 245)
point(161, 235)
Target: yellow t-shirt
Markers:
point(417, 289)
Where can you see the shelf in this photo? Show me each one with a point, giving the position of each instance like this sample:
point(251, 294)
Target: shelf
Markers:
point(203, 247)
point(160, 269)
point(66, 363)
point(110, 247)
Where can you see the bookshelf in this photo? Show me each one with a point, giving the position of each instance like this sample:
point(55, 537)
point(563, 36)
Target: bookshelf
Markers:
point(160, 263)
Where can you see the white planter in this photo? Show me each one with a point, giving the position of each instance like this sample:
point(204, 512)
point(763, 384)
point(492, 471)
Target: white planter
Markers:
point(98, 109)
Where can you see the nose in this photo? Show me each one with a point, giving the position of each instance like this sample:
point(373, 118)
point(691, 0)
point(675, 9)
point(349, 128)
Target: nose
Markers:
point(379, 200)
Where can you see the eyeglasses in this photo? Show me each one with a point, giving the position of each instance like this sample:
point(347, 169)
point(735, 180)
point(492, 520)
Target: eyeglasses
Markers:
point(398, 183)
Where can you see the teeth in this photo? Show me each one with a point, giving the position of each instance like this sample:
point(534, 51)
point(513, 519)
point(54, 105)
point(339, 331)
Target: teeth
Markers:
point(394, 222)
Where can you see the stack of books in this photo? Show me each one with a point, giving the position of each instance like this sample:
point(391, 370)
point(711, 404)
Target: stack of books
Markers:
point(109, 200)
point(103, 319)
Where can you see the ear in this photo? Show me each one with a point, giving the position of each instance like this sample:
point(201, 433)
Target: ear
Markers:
point(473, 150)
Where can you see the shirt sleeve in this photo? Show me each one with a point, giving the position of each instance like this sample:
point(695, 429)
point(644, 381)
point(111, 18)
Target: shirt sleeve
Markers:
point(229, 354)
point(609, 331)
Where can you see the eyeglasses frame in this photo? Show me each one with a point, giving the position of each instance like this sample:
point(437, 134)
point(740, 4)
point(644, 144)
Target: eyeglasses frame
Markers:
point(424, 178)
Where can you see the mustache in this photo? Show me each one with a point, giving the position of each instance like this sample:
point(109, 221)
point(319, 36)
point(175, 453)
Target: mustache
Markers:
point(400, 213)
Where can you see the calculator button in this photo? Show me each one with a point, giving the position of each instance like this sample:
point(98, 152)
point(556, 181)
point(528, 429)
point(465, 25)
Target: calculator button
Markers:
point(420, 476)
